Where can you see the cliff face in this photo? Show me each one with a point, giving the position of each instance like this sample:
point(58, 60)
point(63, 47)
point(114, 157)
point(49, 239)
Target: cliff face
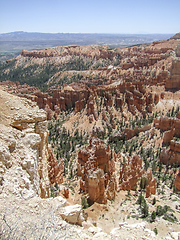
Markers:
point(119, 72)
point(24, 151)
point(177, 181)
point(96, 167)
point(174, 80)
point(95, 65)
point(171, 126)
point(71, 50)
point(131, 173)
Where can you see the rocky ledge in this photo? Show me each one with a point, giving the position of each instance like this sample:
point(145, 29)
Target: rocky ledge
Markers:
point(25, 157)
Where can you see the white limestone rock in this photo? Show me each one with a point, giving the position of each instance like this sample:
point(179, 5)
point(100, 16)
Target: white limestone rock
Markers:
point(5, 156)
point(175, 235)
point(73, 214)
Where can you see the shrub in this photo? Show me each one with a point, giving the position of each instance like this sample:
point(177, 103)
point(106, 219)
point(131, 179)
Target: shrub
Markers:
point(170, 217)
point(141, 199)
point(84, 202)
point(143, 183)
point(159, 211)
point(145, 210)
point(156, 231)
point(154, 201)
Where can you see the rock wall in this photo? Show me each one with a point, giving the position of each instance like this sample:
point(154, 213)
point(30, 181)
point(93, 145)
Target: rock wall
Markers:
point(174, 81)
point(171, 126)
point(177, 181)
point(132, 172)
point(24, 150)
point(171, 155)
point(72, 50)
point(168, 123)
point(96, 168)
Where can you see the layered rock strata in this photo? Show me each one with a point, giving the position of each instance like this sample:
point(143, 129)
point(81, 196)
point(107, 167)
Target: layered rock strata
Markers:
point(171, 126)
point(177, 181)
point(132, 172)
point(96, 167)
point(174, 80)
point(24, 150)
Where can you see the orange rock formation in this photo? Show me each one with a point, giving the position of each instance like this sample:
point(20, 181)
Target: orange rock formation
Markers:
point(96, 168)
point(130, 174)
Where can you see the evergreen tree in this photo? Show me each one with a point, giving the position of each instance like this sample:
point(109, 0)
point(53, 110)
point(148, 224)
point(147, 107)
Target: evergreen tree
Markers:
point(153, 216)
point(145, 209)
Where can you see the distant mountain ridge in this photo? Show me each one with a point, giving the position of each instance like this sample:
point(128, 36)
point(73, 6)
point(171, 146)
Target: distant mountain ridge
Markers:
point(28, 36)
point(12, 43)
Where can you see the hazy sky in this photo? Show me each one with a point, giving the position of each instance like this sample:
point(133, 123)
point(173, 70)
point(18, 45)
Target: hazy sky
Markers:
point(95, 16)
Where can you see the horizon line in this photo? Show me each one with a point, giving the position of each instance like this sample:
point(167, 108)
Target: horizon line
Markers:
point(140, 33)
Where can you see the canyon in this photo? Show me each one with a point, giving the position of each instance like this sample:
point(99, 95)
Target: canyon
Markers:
point(103, 136)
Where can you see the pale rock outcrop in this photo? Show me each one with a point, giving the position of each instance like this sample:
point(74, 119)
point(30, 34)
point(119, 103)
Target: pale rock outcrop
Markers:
point(96, 186)
point(24, 150)
point(5, 156)
point(174, 81)
point(111, 189)
point(73, 214)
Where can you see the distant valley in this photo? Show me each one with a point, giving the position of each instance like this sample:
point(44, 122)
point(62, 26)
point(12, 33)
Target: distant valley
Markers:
point(12, 43)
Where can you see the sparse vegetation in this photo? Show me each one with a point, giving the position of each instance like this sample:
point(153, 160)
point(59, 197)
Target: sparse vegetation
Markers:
point(118, 107)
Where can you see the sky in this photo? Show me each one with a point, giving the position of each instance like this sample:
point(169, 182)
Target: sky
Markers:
point(95, 16)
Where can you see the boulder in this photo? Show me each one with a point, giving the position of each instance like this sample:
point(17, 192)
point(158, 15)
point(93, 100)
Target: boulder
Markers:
point(73, 214)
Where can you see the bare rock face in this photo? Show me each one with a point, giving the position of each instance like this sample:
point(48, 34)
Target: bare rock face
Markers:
point(87, 51)
point(96, 167)
point(79, 105)
point(177, 181)
point(176, 36)
point(73, 214)
point(172, 154)
point(151, 188)
point(112, 188)
point(55, 170)
point(168, 136)
point(151, 183)
point(24, 150)
point(168, 123)
point(130, 174)
point(174, 80)
point(66, 192)
point(171, 126)
point(178, 50)
point(91, 108)
point(96, 186)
